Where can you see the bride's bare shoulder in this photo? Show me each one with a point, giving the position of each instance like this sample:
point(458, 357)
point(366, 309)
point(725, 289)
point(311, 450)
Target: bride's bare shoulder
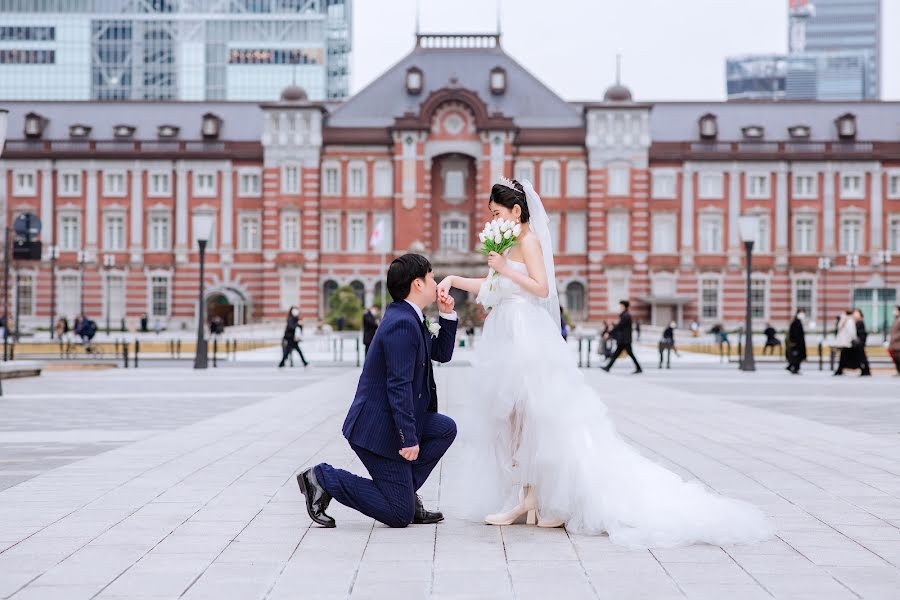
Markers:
point(530, 243)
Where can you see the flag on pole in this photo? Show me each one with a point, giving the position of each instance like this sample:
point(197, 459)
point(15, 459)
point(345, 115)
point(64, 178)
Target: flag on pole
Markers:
point(378, 235)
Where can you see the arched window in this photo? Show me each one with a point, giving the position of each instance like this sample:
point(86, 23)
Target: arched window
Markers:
point(360, 290)
point(328, 289)
point(575, 299)
point(455, 234)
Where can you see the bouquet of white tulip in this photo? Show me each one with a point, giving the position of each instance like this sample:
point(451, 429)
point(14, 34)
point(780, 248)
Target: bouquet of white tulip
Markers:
point(498, 236)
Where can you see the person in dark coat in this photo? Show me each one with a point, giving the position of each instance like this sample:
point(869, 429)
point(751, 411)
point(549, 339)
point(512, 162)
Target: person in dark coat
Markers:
point(667, 345)
point(370, 324)
point(772, 340)
point(621, 331)
point(795, 349)
point(289, 342)
point(860, 346)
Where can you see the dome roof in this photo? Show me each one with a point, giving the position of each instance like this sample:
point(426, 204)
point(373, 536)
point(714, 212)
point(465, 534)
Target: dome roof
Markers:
point(617, 93)
point(293, 93)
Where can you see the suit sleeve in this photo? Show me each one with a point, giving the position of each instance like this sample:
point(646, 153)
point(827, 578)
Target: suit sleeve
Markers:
point(442, 348)
point(400, 358)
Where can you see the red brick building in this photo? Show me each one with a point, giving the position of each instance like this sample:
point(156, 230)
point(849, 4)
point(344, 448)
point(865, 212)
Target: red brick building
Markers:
point(644, 197)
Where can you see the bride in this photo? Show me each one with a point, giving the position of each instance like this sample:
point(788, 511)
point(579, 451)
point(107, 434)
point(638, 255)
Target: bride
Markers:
point(552, 453)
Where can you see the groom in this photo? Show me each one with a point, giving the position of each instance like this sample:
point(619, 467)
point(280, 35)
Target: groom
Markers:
point(393, 424)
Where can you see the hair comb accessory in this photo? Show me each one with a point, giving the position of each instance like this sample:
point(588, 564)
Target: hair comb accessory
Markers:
point(508, 183)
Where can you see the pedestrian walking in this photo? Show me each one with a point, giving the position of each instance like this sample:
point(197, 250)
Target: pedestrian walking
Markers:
point(772, 340)
point(290, 341)
point(695, 328)
point(861, 336)
point(894, 341)
point(845, 339)
point(370, 324)
point(721, 338)
point(667, 345)
point(795, 348)
point(621, 332)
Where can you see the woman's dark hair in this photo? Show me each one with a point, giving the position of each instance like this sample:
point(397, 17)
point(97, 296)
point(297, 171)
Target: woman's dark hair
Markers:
point(508, 197)
point(403, 271)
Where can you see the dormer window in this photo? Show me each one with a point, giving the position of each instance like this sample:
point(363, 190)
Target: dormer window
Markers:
point(34, 125)
point(498, 81)
point(167, 131)
point(415, 80)
point(709, 128)
point(800, 132)
point(123, 132)
point(846, 126)
point(79, 132)
point(753, 132)
point(211, 127)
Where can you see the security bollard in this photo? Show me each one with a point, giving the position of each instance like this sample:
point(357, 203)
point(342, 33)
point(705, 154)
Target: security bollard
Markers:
point(215, 351)
point(137, 350)
point(125, 353)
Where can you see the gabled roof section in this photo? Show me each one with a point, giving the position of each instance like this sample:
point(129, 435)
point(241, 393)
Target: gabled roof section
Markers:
point(450, 61)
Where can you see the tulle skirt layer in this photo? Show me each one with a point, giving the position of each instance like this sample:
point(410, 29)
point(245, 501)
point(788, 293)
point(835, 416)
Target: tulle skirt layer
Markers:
point(536, 421)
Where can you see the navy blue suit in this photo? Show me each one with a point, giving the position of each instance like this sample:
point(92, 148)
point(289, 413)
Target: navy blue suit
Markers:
point(395, 407)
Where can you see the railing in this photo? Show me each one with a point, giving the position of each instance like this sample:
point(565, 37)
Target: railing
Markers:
point(27, 148)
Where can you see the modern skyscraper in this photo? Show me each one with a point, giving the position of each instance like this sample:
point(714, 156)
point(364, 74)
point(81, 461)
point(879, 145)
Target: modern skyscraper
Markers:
point(845, 26)
point(173, 49)
point(834, 54)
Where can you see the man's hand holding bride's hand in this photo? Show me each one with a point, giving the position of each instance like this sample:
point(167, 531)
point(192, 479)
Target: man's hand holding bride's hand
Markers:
point(497, 263)
point(411, 453)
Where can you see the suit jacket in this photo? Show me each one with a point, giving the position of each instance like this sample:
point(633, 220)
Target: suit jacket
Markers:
point(621, 331)
point(369, 327)
point(396, 388)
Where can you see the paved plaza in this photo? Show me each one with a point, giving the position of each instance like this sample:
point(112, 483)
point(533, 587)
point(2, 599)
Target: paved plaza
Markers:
point(168, 483)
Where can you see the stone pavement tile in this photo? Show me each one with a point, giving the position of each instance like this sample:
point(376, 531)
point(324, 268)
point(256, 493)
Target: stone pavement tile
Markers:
point(391, 590)
point(382, 551)
point(706, 591)
point(775, 546)
point(869, 582)
point(888, 550)
point(535, 570)
point(385, 571)
point(59, 592)
point(713, 573)
point(540, 551)
point(617, 562)
point(789, 563)
point(244, 582)
point(636, 586)
point(845, 556)
point(574, 589)
point(866, 532)
point(12, 580)
point(168, 584)
point(471, 583)
point(692, 554)
point(92, 564)
point(806, 587)
point(178, 543)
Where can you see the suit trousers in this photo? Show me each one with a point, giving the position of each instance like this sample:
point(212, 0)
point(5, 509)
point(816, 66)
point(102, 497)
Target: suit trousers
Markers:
point(619, 350)
point(390, 496)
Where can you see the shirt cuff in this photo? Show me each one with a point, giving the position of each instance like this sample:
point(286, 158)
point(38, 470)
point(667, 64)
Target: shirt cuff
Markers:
point(449, 316)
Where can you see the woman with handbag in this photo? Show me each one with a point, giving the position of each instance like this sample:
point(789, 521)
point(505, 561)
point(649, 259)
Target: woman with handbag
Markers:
point(290, 340)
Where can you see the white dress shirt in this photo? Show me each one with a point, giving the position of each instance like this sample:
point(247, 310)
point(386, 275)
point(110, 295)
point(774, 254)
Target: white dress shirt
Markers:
point(449, 316)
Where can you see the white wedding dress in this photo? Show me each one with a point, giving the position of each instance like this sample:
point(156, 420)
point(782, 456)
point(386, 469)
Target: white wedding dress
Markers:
point(536, 421)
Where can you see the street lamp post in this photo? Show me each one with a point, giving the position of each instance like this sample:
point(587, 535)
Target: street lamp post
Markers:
point(203, 225)
point(852, 262)
point(885, 258)
point(83, 257)
point(4, 115)
point(53, 253)
point(824, 266)
point(748, 226)
point(109, 261)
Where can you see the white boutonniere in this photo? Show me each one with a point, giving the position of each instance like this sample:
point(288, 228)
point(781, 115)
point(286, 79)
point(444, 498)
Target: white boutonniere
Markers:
point(433, 328)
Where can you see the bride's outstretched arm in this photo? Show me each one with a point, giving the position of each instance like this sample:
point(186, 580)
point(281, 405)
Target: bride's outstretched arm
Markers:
point(467, 284)
point(535, 281)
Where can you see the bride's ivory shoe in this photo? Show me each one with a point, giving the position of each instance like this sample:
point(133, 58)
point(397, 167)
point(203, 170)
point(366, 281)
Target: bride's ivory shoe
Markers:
point(527, 507)
point(549, 523)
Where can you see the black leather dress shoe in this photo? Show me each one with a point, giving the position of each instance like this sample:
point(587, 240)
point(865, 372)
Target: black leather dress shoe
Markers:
point(425, 517)
point(317, 499)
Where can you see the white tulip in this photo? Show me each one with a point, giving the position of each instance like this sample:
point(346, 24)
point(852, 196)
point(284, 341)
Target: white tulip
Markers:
point(508, 234)
point(482, 237)
point(517, 230)
point(498, 238)
point(504, 226)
